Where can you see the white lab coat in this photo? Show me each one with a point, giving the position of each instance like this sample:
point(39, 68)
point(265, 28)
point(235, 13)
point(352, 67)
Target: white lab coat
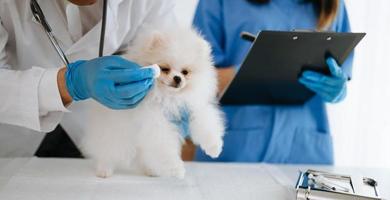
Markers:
point(30, 103)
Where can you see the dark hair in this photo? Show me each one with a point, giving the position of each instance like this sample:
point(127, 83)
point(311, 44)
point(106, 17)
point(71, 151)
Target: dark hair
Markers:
point(327, 10)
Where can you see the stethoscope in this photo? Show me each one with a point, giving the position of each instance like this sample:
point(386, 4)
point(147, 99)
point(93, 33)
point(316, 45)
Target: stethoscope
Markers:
point(40, 18)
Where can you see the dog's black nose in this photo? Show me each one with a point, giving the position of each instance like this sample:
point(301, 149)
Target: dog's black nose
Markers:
point(177, 79)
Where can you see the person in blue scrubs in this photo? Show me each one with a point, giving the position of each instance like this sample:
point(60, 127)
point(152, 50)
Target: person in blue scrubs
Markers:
point(264, 133)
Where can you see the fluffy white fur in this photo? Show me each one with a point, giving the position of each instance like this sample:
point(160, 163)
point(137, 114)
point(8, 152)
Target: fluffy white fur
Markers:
point(144, 137)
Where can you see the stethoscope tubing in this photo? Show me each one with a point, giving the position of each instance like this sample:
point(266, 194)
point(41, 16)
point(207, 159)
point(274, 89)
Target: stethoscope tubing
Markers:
point(40, 17)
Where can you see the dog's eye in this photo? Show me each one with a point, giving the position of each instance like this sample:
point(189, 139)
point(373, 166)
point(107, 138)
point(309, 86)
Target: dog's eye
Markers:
point(165, 70)
point(185, 72)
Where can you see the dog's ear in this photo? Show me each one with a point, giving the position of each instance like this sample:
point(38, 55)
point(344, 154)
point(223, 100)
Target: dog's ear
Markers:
point(157, 41)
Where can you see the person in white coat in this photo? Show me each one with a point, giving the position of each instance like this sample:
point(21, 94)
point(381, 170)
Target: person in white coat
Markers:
point(36, 87)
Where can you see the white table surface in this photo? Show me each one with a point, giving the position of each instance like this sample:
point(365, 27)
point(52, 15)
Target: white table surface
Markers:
point(64, 179)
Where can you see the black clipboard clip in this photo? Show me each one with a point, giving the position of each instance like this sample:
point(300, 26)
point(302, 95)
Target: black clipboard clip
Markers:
point(248, 36)
point(251, 37)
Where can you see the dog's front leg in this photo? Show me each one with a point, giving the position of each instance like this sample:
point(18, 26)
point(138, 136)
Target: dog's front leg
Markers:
point(207, 128)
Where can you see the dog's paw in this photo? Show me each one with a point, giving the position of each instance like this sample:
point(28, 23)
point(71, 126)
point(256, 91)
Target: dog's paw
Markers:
point(104, 172)
point(178, 172)
point(214, 149)
point(174, 171)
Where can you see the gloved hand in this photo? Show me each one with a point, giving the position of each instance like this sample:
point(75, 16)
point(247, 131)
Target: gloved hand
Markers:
point(112, 81)
point(332, 89)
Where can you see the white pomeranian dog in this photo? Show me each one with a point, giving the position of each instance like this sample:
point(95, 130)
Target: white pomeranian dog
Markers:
point(145, 137)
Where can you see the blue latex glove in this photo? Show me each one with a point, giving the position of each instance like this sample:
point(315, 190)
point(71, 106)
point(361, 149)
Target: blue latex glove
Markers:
point(332, 89)
point(112, 81)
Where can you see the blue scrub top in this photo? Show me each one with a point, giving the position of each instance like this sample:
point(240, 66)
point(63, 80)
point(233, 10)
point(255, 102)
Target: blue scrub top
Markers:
point(272, 134)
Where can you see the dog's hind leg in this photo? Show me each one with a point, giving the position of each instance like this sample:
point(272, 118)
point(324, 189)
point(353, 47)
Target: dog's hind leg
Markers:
point(104, 169)
point(161, 155)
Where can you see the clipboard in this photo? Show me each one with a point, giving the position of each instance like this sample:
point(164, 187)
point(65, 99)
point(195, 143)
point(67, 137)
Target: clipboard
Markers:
point(269, 75)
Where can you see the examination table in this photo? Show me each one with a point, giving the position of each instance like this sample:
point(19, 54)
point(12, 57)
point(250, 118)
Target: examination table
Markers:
point(65, 179)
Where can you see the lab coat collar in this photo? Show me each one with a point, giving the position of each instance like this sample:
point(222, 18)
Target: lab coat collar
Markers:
point(87, 46)
point(59, 27)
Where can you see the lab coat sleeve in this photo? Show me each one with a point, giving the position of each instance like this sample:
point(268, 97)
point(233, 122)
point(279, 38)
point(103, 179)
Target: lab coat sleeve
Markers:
point(29, 98)
point(209, 21)
point(342, 25)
